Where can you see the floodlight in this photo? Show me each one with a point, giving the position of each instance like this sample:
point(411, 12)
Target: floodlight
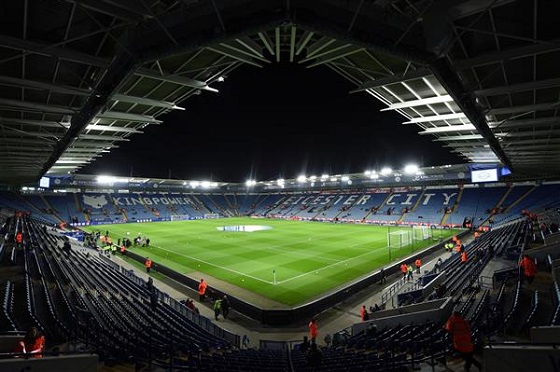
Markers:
point(386, 171)
point(301, 178)
point(411, 169)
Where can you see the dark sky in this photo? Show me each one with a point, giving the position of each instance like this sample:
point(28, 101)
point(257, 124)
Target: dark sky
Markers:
point(279, 121)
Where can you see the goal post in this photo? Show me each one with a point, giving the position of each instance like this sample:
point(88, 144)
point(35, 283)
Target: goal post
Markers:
point(179, 217)
point(420, 233)
point(398, 238)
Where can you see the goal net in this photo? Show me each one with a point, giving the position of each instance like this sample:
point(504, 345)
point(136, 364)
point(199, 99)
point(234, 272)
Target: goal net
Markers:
point(179, 217)
point(398, 239)
point(421, 233)
point(211, 215)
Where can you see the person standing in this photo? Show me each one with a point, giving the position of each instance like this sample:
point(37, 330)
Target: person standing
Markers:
point(202, 290)
point(528, 268)
point(225, 306)
point(148, 264)
point(383, 276)
point(363, 313)
point(460, 331)
point(313, 331)
point(404, 270)
point(217, 308)
point(19, 239)
point(418, 264)
point(314, 357)
point(464, 257)
point(410, 273)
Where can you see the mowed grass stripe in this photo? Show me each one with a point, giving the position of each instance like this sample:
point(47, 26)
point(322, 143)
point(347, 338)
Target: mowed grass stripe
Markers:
point(309, 258)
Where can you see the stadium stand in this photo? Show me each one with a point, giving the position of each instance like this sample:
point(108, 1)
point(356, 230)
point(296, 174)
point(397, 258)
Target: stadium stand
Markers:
point(90, 301)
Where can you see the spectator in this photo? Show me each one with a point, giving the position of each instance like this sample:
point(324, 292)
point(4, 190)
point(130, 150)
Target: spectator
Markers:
point(245, 341)
point(66, 248)
point(202, 290)
point(410, 273)
point(154, 299)
point(225, 306)
point(404, 270)
point(304, 346)
point(217, 308)
point(364, 314)
point(383, 276)
point(328, 339)
point(150, 284)
point(418, 264)
point(528, 268)
point(314, 357)
point(438, 265)
point(313, 332)
point(33, 343)
point(148, 264)
point(460, 331)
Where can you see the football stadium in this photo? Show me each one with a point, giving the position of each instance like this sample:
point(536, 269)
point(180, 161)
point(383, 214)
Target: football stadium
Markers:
point(428, 267)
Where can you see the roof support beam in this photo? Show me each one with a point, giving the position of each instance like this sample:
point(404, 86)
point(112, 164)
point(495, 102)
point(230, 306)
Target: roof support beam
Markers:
point(146, 101)
point(526, 108)
point(449, 79)
point(128, 15)
point(532, 85)
point(420, 102)
point(181, 80)
point(509, 54)
point(127, 116)
point(335, 54)
point(38, 85)
point(50, 51)
point(394, 79)
point(426, 119)
point(36, 107)
point(449, 129)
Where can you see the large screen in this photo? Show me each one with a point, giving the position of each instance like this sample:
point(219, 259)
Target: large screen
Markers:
point(484, 175)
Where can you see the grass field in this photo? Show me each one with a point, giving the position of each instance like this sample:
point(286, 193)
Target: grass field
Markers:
point(287, 261)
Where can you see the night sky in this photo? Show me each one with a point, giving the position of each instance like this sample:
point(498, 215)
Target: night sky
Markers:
point(279, 121)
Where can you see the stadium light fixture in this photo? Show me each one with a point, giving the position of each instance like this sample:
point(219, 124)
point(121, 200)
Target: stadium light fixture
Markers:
point(301, 178)
point(280, 181)
point(344, 178)
point(386, 171)
point(324, 177)
point(411, 169)
point(374, 176)
point(195, 184)
point(250, 183)
point(109, 180)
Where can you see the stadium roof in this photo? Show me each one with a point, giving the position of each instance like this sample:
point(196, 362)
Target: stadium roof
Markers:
point(79, 77)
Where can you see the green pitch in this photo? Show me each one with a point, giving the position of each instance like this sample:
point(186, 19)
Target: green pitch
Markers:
point(288, 261)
